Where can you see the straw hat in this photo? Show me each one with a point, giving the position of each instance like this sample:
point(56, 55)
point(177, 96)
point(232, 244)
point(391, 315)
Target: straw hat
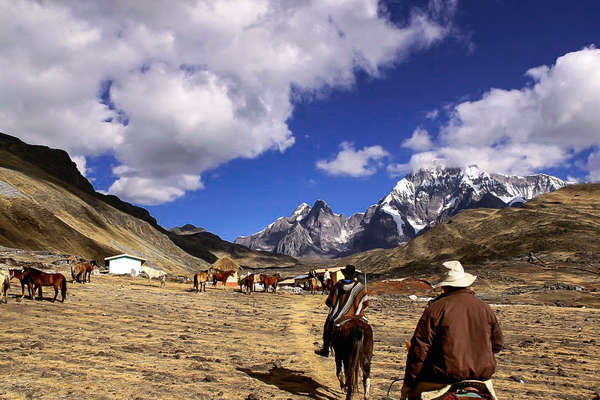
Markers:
point(456, 276)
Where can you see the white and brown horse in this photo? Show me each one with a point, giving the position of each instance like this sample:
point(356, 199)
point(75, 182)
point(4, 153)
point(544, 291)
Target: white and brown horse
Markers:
point(200, 280)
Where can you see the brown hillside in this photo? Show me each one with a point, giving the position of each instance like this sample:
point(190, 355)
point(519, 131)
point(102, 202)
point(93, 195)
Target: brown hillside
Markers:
point(562, 224)
point(40, 212)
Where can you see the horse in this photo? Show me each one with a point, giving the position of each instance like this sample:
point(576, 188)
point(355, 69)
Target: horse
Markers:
point(270, 280)
point(220, 276)
point(326, 284)
point(81, 271)
point(163, 280)
point(39, 278)
point(19, 274)
point(153, 273)
point(4, 286)
point(352, 342)
point(248, 283)
point(312, 285)
point(200, 280)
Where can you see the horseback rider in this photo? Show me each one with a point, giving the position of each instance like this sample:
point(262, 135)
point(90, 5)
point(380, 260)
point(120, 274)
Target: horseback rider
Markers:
point(455, 339)
point(347, 299)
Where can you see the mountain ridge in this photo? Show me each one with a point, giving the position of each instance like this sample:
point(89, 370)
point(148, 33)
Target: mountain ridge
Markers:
point(416, 203)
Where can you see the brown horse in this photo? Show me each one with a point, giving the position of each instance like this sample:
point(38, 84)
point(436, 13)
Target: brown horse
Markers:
point(352, 342)
point(312, 285)
point(326, 285)
point(200, 280)
point(220, 276)
point(20, 275)
point(81, 271)
point(270, 280)
point(39, 278)
point(247, 283)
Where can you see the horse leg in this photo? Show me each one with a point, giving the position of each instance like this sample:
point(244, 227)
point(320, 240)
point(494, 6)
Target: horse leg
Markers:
point(366, 369)
point(339, 373)
point(40, 290)
point(55, 293)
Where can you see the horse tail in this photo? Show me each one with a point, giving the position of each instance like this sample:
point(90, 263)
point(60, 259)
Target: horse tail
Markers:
point(63, 288)
point(355, 359)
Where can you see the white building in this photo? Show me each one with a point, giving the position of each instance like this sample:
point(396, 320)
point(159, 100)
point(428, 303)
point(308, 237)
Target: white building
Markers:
point(124, 264)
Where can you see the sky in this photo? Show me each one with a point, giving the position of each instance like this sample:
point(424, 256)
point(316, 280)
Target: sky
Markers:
point(229, 114)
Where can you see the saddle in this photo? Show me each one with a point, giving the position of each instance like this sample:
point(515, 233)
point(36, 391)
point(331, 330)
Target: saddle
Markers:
point(470, 389)
point(338, 325)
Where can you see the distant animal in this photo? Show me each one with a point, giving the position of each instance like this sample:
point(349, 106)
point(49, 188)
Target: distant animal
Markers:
point(4, 286)
point(220, 276)
point(312, 285)
point(39, 279)
point(152, 273)
point(19, 274)
point(200, 280)
point(247, 284)
point(270, 281)
point(163, 280)
point(352, 342)
point(81, 271)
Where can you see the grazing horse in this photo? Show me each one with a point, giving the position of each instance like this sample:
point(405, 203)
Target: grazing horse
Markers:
point(153, 273)
point(20, 275)
point(81, 271)
point(200, 280)
point(220, 276)
point(248, 283)
point(270, 280)
point(40, 278)
point(4, 286)
point(352, 342)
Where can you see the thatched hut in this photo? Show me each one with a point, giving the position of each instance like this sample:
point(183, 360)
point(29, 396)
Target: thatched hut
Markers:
point(227, 264)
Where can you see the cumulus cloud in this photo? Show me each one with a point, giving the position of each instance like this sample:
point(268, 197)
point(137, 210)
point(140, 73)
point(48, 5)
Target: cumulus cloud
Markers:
point(519, 131)
point(354, 163)
point(419, 141)
point(179, 88)
point(433, 114)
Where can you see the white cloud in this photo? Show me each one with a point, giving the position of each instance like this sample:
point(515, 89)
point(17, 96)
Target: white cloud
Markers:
point(81, 163)
point(200, 82)
point(520, 131)
point(593, 164)
point(350, 162)
point(433, 114)
point(419, 141)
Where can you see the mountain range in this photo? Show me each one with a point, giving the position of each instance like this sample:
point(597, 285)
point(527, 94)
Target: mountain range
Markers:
point(418, 202)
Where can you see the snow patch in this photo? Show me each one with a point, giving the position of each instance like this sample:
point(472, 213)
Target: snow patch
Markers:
point(396, 216)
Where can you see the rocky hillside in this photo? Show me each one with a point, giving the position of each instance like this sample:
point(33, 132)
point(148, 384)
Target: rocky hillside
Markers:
point(560, 226)
point(418, 202)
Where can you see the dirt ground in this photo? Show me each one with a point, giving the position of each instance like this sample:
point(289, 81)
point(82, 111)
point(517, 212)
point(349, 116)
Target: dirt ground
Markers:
point(118, 338)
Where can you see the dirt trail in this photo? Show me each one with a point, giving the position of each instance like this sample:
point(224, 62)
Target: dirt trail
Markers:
point(323, 369)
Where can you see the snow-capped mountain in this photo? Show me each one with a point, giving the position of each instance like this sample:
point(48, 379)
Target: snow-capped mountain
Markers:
point(418, 201)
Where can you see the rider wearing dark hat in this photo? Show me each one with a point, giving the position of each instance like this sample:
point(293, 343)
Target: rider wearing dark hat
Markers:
point(347, 299)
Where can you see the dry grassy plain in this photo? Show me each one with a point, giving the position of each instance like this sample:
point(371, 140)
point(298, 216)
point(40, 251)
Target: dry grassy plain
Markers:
point(121, 339)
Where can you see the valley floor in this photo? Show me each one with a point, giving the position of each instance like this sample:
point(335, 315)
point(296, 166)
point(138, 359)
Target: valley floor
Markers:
point(118, 338)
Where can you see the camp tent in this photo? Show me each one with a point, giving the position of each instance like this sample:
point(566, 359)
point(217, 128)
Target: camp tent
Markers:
point(227, 264)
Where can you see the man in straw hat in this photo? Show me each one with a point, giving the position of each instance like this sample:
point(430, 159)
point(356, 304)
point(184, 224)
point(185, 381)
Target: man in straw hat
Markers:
point(347, 299)
point(455, 339)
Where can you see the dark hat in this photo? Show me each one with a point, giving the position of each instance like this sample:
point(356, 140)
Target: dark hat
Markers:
point(349, 270)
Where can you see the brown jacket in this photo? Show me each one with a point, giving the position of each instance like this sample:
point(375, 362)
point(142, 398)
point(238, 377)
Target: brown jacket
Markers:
point(455, 339)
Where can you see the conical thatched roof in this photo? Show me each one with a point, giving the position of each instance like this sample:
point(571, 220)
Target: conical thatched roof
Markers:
point(226, 264)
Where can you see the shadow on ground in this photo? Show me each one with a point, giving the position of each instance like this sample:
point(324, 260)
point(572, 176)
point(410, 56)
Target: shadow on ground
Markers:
point(292, 381)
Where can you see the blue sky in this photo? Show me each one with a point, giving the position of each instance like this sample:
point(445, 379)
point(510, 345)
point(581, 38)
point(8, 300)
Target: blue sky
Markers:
point(168, 160)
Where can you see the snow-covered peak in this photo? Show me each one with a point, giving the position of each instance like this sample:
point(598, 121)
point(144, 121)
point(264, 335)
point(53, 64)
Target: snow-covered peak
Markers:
point(300, 212)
